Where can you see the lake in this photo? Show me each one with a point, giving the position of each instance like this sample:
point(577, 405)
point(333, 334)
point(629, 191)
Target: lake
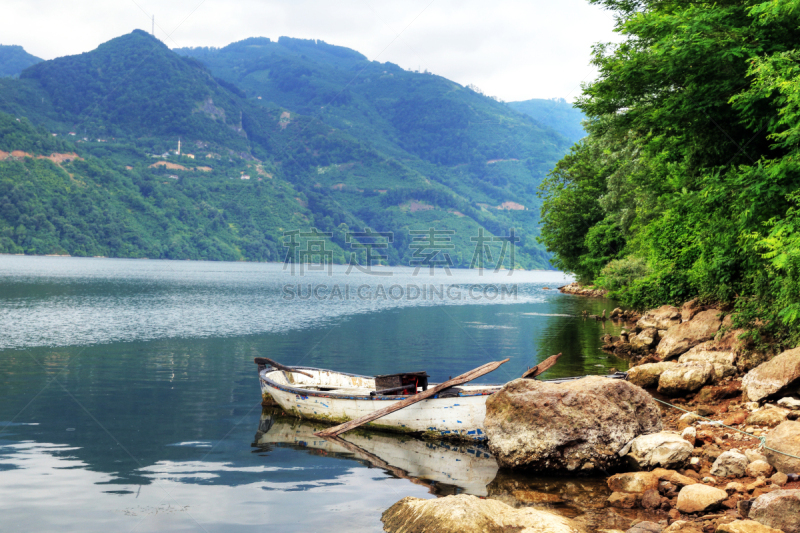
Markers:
point(130, 399)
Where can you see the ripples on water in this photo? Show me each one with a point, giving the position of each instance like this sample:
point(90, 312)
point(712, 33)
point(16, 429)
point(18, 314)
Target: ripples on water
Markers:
point(129, 400)
point(84, 301)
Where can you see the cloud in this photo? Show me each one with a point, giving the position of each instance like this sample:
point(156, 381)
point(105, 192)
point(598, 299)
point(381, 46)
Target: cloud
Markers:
point(513, 49)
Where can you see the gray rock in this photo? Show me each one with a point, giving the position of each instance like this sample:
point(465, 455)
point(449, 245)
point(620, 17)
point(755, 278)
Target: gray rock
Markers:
point(730, 464)
point(679, 339)
point(699, 498)
point(646, 375)
point(681, 379)
point(785, 438)
point(469, 514)
point(570, 426)
point(665, 450)
point(779, 509)
point(702, 354)
point(645, 338)
point(790, 403)
point(772, 377)
point(664, 317)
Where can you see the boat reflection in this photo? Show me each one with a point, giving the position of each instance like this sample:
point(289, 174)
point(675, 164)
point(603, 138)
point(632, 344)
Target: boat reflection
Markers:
point(445, 467)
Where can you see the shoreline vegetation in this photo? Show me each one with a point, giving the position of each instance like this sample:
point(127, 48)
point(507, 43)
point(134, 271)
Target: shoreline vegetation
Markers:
point(686, 185)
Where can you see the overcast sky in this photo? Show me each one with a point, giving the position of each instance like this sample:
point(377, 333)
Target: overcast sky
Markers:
point(513, 49)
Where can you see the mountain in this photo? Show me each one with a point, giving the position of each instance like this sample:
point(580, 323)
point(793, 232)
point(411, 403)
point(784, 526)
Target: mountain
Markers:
point(14, 59)
point(556, 113)
point(275, 137)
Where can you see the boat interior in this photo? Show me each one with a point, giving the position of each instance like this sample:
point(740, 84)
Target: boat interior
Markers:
point(342, 383)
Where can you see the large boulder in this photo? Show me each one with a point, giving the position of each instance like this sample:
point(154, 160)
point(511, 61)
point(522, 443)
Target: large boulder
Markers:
point(699, 498)
point(681, 379)
point(784, 438)
point(772, 377)
point(779, 509)
point(664, 450)
point(647, 375)
point(578, 425)
point(704, 353)
point(664, 317)
point(468, 514)
point(678, 339)
point(730, 464)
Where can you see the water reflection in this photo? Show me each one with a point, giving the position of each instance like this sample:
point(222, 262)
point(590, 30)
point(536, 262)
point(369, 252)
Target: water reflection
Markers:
point(443, 467)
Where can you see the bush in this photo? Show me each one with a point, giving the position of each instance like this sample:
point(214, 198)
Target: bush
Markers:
point(622, 273)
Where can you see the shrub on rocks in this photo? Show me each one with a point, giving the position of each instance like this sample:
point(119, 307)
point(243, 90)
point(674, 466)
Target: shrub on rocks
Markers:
point(779, 509)
point(730, 464)
point(774, 376)
point(470, 514)
point(580, 425)
point(682, 379)
point(664, 450)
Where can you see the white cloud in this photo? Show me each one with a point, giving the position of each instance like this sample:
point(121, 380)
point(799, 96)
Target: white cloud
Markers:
point(514, 49)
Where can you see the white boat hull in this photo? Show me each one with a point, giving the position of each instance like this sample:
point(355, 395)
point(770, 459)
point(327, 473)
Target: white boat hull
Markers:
point(338, 397)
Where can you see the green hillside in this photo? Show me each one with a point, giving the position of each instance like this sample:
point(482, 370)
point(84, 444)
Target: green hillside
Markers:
point(14, 59)
point(556, 113)
point(394, 151)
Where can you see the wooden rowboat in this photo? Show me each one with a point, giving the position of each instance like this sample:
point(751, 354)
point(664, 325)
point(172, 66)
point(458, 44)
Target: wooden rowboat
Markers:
point(336, 397)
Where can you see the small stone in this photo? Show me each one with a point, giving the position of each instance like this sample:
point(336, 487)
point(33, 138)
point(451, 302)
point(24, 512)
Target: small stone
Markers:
point(770, 417)
point(756, 484)
point(622, 500)
point(698, 498)
point(689, 434)
point(780, 479)
point(663, 449)
point(759, 468)
point(646, 527)
point(734, 487)
point(730, 464)
point(651, 499)
point(633, 482)
point(755, 455)
point(790, 403)
point(688, 419)
point(708, 479)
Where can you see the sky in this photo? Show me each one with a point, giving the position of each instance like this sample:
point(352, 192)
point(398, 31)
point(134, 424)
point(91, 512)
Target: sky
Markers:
point(511, 49)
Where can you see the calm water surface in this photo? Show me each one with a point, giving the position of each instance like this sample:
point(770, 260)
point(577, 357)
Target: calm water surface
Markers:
point(130, 401)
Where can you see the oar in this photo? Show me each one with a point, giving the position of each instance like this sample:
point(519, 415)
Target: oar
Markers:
point(270, 362)
point(396, 406)
point(541, 367)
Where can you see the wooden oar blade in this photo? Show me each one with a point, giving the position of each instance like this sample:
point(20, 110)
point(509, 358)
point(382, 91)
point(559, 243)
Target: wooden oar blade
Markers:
point(458, 380)
point(539, 369)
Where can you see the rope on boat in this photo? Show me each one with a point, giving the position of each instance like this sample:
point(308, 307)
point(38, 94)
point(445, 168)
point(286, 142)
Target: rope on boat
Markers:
point(761, 440)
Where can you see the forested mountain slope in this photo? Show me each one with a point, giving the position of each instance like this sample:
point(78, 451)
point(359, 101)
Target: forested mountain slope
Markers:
point(260, 156)
point(556, 113)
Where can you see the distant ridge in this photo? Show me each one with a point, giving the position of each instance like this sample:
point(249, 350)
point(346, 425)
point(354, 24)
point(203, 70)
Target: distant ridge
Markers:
point(556, 113)
point(14, 59)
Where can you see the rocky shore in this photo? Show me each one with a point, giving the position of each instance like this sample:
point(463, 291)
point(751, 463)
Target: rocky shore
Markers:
point(579, 290)
point(703, 437)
